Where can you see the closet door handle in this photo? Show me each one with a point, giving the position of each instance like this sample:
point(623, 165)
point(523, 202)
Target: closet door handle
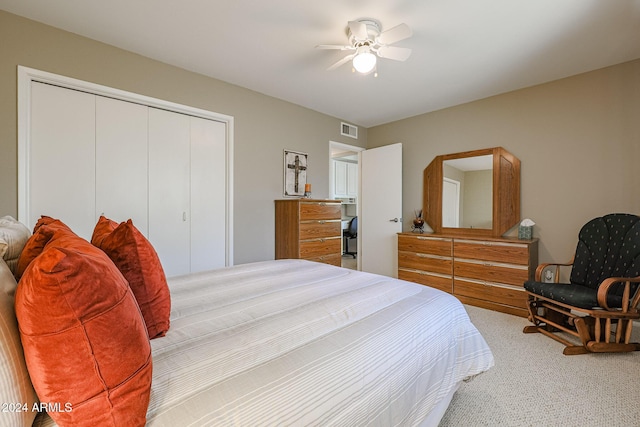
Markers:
point(184, 216)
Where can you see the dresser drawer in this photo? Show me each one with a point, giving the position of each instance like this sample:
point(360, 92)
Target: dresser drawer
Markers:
point(334, 259)
point(442, 282)
point(425, 262)
point(491, 271)
point(320, 228)
point(511, 253)
point(425, 244)
point(491, 292)
point(319, 210)
point(320, 247)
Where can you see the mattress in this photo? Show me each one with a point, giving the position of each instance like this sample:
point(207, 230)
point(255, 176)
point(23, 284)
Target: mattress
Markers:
point(293, 342)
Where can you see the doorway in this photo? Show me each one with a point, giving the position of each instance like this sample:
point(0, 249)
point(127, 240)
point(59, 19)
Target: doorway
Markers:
point(344, 177)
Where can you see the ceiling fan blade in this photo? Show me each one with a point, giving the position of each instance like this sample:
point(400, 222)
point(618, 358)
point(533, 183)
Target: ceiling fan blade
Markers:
point(395, 53)
point(334, 46)
point(341, 62)
point(359, 30)
point(395, 34)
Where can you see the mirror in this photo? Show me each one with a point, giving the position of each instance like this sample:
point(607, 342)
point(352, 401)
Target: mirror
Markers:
point(467, 192)
point(473, 192)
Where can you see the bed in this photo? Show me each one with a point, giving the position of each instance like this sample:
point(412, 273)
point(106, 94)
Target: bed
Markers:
point(293, 342)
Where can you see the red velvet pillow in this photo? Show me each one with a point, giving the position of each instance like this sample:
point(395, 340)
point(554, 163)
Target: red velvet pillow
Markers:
point(36, 242)
point(103, 228)
point(138, 262)
point(47, 220)
point(84, 339)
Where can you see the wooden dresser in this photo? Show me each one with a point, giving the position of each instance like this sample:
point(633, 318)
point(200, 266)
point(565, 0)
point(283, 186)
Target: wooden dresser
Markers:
point(482, 271)
point(309, 229)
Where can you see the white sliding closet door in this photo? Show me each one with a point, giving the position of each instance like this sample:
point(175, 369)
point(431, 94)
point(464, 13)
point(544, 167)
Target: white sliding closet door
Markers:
point(121, 161)
point(169, 189)
point(61, 157)
point(208, 190)
point(86, 150)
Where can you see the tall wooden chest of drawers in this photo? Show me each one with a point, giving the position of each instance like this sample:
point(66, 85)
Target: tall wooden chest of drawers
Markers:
point(486, 272)
point(309, 229)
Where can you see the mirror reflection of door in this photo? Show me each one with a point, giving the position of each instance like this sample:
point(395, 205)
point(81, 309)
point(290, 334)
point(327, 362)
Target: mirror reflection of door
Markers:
point(474, 193)
point(450, 203)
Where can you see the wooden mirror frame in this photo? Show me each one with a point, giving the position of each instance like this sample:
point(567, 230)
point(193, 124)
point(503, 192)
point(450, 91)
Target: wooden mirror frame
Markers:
point(506, 193)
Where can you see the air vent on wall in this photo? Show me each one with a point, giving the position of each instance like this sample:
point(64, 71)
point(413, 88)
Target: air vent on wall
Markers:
point(349, 130)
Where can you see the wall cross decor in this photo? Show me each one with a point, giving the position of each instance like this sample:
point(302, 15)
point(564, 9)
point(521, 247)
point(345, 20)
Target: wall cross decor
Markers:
point(295, 173)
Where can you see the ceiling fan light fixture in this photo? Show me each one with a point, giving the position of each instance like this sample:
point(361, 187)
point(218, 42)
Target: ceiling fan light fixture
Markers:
point(364, 61)
point(367, 43)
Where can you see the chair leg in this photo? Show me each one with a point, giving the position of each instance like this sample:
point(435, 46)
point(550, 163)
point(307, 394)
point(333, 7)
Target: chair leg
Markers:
point(572, 350)
point(594, 332)
point(347, 251)
point(583, 329)
point(549, 319)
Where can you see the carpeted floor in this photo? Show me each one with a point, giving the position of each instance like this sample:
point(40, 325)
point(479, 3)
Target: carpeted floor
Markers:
point(534, 384)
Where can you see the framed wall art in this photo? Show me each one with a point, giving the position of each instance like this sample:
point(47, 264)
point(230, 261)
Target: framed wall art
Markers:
point(295, 173)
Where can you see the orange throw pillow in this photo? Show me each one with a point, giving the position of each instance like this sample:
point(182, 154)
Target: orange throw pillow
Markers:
point(103, 228)
point(138, 262)
point(37, 241)
point(84, 339)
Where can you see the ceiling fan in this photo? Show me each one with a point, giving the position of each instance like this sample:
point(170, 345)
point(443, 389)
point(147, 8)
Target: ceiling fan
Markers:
point(368, 43)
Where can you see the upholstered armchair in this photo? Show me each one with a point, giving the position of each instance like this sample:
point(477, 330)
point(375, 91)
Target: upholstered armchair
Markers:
point(600, 300)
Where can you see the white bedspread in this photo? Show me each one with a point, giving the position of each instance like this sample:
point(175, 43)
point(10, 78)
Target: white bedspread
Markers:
point(296, 343)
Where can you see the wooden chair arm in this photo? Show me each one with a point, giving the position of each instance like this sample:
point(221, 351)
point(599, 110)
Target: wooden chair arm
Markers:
point(541, 268)
point(603, 290)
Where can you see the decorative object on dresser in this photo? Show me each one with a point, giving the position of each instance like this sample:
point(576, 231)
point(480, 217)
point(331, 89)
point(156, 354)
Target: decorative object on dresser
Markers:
point(485, 272)
point(295, 173)
point(418, 222)
point(309, 229)
point(602, 291)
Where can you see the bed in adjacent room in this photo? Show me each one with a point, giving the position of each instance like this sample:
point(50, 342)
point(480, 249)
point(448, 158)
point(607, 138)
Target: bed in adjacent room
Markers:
point(293, 342)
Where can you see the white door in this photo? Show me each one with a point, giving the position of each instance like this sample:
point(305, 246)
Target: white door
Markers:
point(380, 209)
point(121, 161)
point(340, 178)
point(169, 164)
point(450, 203)
point(96, 147)
point(208, 189)
point(352, 179)
point(61, 158)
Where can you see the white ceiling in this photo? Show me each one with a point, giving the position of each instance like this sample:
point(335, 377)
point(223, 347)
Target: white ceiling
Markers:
point(463, 50)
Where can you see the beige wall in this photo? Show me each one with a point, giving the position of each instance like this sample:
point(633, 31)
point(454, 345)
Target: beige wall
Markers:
point(578, 139)
point(264, 126)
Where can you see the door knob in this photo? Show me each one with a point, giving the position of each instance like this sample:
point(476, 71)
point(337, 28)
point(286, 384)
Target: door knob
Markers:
point(394, 220)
